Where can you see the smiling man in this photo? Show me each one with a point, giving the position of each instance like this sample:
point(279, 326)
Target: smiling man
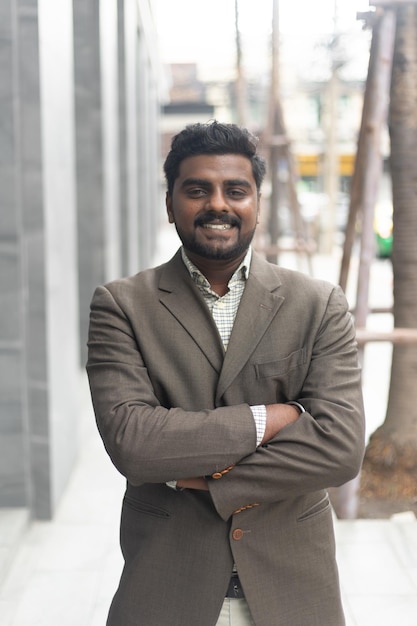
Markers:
point(215, 206)
point(227, 392)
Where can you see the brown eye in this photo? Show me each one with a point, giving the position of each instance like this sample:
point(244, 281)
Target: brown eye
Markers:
point(196, 193)
point(237, 193)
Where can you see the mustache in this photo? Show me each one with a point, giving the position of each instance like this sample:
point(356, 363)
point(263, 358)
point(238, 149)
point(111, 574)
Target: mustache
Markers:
point(223, 218)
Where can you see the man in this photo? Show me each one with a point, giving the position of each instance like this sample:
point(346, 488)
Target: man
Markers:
point(227, 392)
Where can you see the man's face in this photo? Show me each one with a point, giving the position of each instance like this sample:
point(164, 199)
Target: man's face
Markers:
point(215, 205)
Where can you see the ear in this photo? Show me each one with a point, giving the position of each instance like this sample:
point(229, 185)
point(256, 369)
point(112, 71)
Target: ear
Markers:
point(168, 204)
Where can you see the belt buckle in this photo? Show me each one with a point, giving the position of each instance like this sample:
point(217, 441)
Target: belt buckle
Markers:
point(235, 589)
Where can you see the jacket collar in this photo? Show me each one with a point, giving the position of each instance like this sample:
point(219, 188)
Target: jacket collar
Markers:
point(259, 305)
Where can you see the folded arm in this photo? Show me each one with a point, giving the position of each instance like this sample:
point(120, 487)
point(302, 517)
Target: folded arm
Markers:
point(146, 441)
point(277, 417)
point(322, 447)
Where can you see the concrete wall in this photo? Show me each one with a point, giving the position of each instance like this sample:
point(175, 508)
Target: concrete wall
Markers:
point(89, 157)
point(78, 182)
point(13, 423)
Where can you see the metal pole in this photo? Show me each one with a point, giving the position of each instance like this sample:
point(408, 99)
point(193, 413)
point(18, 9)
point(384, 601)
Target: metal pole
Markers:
point(275, 129)
point(240, 79)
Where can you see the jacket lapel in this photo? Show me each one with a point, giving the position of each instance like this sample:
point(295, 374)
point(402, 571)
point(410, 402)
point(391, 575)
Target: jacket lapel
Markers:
point(181, 297)
point(259, 305)
point(257, 309)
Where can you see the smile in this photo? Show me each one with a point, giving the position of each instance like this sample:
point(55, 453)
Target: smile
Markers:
point(217, 226)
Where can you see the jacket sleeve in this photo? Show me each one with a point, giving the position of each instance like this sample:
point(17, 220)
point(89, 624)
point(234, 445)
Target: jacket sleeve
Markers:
point(148, 442)
point(325, 446)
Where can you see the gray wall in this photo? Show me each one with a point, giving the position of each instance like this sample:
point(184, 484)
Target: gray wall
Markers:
point(79, 176)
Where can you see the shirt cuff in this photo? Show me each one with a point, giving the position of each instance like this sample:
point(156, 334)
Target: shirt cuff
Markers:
point(259, 415)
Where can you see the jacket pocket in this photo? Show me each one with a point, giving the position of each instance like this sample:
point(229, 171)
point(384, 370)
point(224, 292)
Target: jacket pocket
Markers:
point(279, 367)
point(145, 507)
point(317, 508)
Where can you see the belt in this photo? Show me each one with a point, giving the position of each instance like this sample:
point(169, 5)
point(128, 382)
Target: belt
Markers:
point(235, 589)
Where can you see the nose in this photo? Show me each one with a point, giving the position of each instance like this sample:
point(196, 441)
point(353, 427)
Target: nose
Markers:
point(217, 200)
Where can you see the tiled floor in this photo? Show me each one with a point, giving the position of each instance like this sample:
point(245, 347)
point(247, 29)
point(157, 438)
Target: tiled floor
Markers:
point(65, 572)
point(378, 570)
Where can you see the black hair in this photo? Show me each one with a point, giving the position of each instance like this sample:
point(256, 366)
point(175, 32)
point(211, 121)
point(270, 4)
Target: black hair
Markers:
point(213, 138)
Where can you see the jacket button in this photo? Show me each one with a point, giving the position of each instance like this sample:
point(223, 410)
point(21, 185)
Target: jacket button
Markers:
point(237, 534)
point(217, 475)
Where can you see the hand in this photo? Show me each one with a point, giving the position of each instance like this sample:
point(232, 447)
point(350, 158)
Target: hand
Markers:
point(278, 416)
point(193, 483)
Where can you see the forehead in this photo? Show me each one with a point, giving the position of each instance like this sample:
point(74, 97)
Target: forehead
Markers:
point(215, 167)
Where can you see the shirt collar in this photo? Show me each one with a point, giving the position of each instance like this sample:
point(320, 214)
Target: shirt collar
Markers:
point(241, 273)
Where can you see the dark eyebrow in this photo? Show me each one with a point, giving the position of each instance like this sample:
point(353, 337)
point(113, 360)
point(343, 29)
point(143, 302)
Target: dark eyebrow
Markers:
point(238, 182)
point(203, 182)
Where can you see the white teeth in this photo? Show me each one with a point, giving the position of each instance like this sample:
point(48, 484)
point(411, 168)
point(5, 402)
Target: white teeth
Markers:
point(218, 226)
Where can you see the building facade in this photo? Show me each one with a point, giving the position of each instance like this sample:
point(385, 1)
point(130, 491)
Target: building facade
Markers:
point(79, 187)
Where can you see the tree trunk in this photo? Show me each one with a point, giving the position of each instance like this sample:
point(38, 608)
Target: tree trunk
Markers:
point(390, 466)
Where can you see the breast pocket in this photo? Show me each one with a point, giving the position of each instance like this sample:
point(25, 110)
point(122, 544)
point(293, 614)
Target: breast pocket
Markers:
point(277, 368)
point(279, 379)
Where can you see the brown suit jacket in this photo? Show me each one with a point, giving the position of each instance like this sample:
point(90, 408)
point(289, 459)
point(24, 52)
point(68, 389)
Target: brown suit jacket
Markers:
point(170, 404)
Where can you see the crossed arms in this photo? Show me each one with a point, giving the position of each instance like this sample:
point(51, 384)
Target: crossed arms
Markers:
point(149, 442)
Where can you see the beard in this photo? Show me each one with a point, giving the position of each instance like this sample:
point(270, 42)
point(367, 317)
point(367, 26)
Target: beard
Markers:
point(215, 251)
